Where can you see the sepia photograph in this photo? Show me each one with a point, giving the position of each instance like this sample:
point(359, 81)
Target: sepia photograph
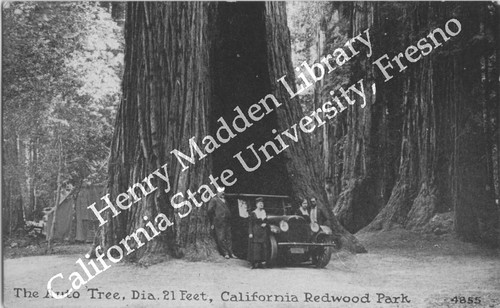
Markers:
point(250, 154)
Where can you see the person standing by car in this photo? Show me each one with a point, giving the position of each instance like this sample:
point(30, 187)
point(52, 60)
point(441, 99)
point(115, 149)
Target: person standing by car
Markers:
point(317, 214)
point(257, 235)
point(220, 220)
point(303, 210)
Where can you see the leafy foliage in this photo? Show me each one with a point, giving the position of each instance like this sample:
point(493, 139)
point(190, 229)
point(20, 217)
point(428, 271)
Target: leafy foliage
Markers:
point(62, 66)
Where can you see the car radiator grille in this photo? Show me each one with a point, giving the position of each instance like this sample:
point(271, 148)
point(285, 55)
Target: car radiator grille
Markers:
point(298, 230)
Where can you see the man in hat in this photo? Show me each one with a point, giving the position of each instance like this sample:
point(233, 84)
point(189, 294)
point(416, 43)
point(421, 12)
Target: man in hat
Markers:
point(220, 220)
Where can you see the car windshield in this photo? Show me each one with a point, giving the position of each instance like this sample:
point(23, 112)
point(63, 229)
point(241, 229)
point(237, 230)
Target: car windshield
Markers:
point(273, 204)
point(274, 207)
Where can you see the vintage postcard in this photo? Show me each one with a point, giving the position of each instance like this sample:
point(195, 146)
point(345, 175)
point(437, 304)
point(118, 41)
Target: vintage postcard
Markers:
point(251, 154)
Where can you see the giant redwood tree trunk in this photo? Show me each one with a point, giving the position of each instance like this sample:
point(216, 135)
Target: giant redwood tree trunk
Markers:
point(186, 65)
point(443, 146)
point(422, 142)
point(476, 216)
point(166, 101)
point(418, 148)
point(356, 140)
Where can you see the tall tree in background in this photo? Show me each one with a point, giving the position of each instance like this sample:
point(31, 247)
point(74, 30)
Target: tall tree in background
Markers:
point(443, 145)
point(356, 141)
point(423, 145)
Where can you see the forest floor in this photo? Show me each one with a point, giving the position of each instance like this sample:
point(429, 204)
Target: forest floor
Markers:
point(407, 269)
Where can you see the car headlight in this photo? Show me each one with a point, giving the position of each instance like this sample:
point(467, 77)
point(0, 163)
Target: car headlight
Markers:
point(283, 226)
point(314, 227)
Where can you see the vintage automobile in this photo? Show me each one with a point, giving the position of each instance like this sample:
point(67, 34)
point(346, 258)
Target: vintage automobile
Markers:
point(292, 239)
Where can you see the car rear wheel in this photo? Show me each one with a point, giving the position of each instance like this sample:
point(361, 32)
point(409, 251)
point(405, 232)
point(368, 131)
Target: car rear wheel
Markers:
point(272, 253)
point(321, 255)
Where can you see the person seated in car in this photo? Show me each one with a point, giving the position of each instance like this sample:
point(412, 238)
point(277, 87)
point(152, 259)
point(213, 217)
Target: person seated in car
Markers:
point(303, 210)
point(258, 235)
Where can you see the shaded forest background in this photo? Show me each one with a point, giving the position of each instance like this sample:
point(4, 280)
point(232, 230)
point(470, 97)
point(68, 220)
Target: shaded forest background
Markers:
point(426, 148)
point(87, 99)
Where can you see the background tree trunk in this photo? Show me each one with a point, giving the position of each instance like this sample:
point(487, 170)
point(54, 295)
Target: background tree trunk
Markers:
point(476, 215)
point(443, 146)
point(411, 152)
point(12, 202)
point(58, 194)
point(357, 138)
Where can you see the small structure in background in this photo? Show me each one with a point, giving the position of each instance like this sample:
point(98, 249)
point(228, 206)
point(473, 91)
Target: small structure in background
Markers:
point(74, 222)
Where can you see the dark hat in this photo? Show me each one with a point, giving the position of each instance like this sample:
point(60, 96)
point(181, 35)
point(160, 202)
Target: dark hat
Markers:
point(259, 199)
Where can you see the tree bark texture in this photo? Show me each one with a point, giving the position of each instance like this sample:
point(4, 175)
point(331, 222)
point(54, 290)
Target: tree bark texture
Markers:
point(443, 147)
point(187, 64)
point(356, 141)
point(166, 96)
point(419, 147)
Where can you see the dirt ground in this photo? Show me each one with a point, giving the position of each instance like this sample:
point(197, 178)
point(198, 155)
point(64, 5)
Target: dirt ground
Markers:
point(401, 269)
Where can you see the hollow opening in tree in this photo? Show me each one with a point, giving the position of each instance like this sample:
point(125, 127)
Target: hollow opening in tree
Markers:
point(241, 80)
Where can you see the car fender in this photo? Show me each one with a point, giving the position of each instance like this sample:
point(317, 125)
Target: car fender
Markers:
point(326, 230)
point(275, 229)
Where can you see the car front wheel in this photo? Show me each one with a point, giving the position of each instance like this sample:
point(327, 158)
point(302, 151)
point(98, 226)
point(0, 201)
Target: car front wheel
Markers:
point(321, 255)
